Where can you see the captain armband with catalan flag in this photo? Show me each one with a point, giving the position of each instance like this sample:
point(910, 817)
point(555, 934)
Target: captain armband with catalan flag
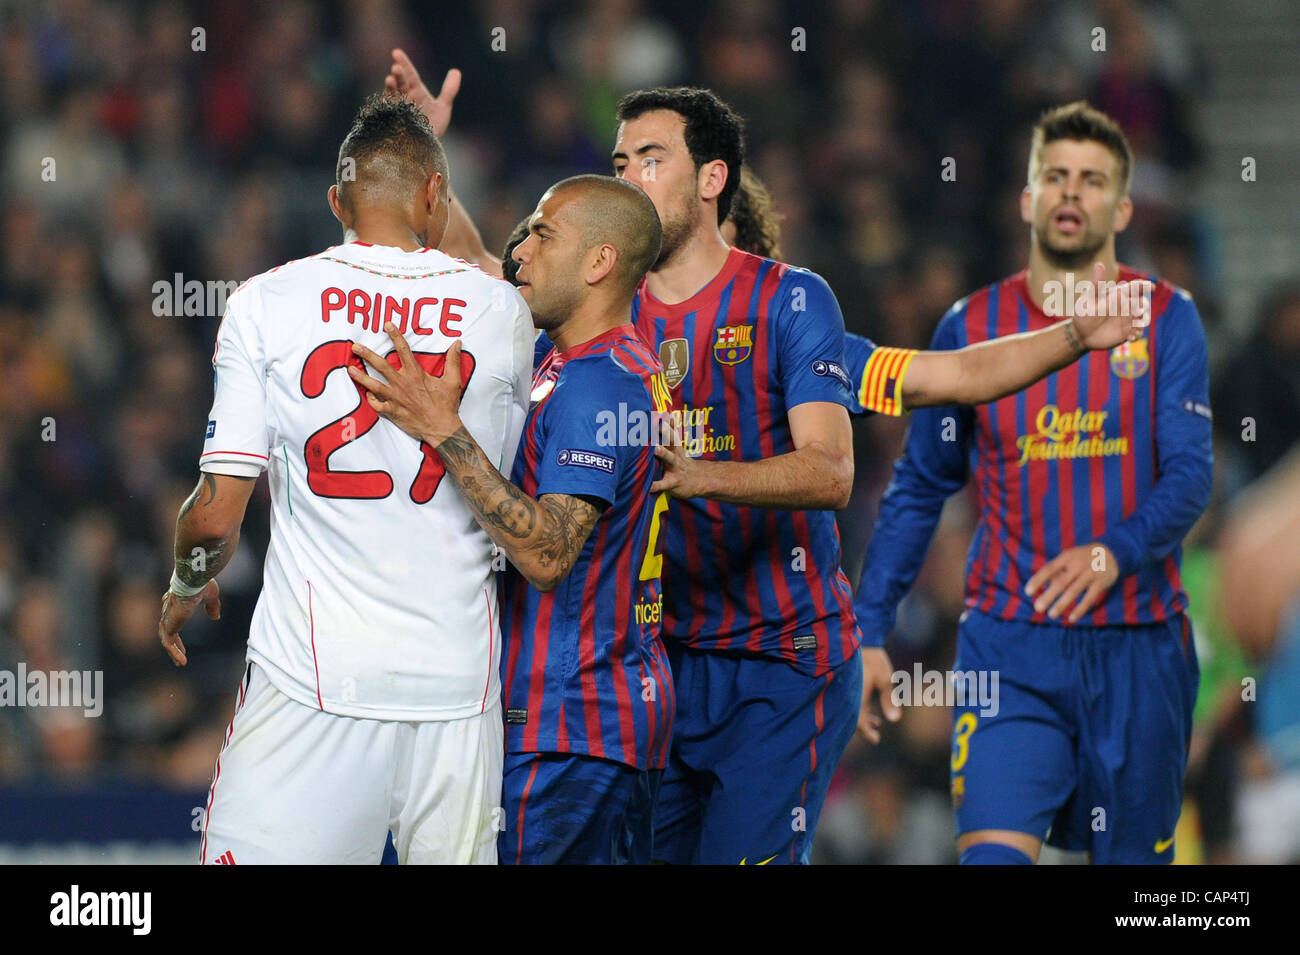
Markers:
point(881, 387)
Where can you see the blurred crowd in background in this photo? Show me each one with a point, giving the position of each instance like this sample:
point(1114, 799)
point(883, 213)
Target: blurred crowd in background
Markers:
point(206, 156)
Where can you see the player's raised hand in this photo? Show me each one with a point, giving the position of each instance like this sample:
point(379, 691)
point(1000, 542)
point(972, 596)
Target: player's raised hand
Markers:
point(877, 678)
point(1112, 315)
point(423, 405)
point(176, 613)
point(404, 80)
point(1081, 573)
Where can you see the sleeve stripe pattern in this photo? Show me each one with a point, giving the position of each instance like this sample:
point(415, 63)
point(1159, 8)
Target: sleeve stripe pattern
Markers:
point(244, 454)
point(882, 380)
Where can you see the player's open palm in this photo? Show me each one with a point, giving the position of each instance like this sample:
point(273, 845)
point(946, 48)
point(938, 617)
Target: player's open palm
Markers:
point(1078, 578)
point(404, 80)
point(423, 405)
point(1112, 314)
point(682, 476)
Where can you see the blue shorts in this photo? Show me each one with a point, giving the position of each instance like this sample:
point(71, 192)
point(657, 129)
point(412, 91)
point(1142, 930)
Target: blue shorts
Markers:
point(1088, 745)
point(562, 809)
point(755, 744)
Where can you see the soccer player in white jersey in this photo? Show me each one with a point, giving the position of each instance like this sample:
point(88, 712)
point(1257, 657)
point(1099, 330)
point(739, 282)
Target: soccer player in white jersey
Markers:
point(371, 699)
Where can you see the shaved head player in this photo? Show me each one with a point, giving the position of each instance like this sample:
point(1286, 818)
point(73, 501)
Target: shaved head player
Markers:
point(589, 697)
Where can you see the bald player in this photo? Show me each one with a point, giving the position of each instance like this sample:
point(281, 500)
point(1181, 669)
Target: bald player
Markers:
point(587, 684)
point(371, 700)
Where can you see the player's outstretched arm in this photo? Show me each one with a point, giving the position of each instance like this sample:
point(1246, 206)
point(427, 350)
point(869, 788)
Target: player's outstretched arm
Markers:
point(991, 370)
point(541, 537)
point(207, 532)
point(462, 238)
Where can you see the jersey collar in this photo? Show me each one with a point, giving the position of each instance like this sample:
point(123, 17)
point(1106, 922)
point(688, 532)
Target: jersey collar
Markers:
point(600, 341)
point(710, 292)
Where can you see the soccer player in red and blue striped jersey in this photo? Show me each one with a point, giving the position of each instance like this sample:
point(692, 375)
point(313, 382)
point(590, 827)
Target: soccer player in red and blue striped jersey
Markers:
point(1087, 482)
point(586, 680)
point(757, 614)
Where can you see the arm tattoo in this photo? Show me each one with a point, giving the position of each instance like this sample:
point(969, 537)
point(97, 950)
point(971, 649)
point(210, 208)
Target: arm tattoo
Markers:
point(1072, 337)
point(573, 520)
point(193, 569)
point(209, 481)
point(205, 480)
point(545, 535)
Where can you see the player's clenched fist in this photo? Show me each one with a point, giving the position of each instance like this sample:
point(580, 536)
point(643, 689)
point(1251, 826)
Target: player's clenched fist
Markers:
point(1081, 573)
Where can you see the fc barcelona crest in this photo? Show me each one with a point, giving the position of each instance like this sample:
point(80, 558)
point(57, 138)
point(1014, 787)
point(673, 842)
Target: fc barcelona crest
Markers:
point(1130, 359)
point(675, 356)
point(734, 344)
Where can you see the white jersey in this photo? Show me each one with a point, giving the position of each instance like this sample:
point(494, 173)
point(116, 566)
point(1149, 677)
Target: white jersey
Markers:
point(379, 598)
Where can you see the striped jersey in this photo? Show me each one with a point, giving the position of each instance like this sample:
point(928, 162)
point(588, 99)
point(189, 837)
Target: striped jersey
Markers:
point(583, 667)
point(1114, 448)
point(759, 339)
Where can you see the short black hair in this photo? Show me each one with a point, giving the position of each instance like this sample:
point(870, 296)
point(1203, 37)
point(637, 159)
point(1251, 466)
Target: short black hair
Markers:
point(713, 129)
point(509, 267)
point(391, 145)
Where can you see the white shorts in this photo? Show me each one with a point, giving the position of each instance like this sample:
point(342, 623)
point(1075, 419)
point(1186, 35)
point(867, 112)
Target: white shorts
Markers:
point(296, 785)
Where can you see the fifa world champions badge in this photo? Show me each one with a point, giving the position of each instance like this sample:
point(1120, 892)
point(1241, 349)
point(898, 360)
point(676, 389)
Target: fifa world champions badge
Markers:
point(675, 356)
